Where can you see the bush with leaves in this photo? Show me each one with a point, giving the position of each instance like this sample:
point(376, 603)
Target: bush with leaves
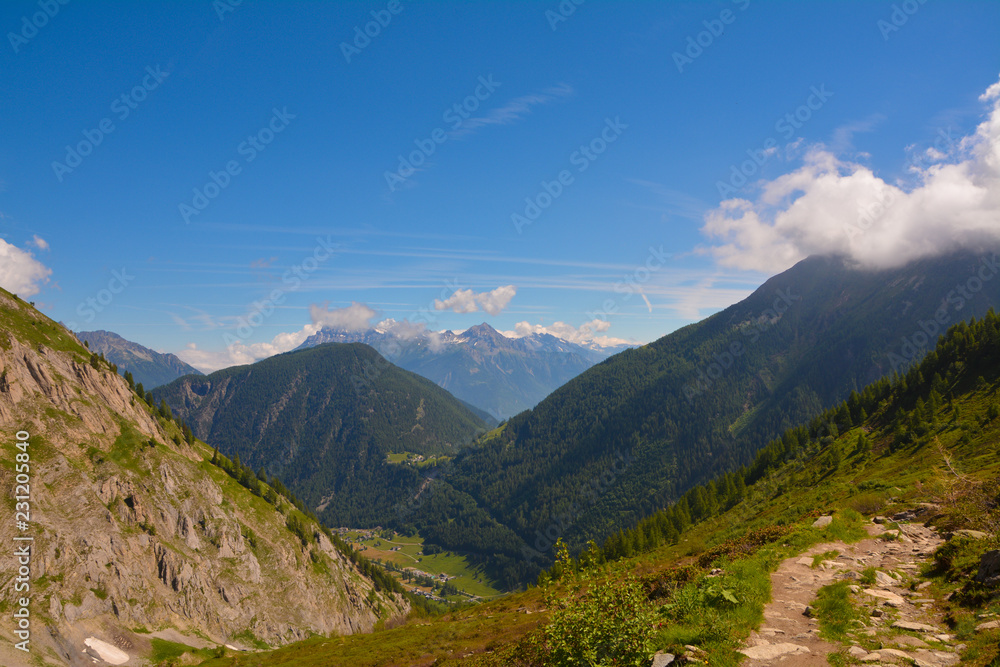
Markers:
point(608, 625)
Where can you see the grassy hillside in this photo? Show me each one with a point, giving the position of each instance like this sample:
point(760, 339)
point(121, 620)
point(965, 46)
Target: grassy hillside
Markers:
point(930, 440)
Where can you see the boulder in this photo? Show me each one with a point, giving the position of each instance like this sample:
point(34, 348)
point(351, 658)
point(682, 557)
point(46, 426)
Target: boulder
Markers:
point(989, 568)
point(663, 659)
point(971, 534)
point(823, 522)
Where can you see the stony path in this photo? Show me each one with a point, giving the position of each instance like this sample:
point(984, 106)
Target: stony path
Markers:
point(903, 625)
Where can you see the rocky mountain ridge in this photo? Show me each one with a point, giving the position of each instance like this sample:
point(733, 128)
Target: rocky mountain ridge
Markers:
point(135, 534)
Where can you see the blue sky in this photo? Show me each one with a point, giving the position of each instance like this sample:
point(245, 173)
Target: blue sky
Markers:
point(595, 107)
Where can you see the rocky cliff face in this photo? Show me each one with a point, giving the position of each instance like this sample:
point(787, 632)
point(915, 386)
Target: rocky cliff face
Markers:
point(135, 533)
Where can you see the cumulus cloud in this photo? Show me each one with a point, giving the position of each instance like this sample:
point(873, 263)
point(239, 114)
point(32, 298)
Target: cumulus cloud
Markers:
point(584, 334)
point(238, 352)
point(39, 242)
point(20, 272)
point(355, 317)
point(462, 301)
point(467, 301)
point(831, 206)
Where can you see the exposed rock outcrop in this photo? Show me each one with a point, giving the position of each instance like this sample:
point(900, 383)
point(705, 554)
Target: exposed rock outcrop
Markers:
point(132, 530)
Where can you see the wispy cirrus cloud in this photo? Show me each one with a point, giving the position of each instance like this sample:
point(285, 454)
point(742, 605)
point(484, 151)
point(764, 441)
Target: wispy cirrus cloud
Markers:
point(513, 111)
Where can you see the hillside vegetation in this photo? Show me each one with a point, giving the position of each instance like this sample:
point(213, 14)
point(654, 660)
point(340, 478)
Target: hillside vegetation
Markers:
point(926, 441)
point(324, 420)
point(636, 432)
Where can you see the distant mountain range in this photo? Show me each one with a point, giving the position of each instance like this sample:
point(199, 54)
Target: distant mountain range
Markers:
point(150, 368)
point(481, 366)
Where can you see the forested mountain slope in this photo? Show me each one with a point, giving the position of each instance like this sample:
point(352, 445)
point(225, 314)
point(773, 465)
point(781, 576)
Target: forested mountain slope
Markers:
point(636, 431)
point(324, 420)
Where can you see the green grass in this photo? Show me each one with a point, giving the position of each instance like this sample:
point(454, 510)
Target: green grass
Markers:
point(868, 576)
point(826, 555)
point(33, 328)
point(167, 650)
point(467, 576)
point(250, 639)
point(835, 612)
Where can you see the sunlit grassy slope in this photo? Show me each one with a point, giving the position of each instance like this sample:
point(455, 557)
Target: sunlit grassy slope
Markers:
point(932, 437)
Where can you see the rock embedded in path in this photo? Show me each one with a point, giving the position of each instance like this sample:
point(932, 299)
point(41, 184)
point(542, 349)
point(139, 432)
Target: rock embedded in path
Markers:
point(914, 627)
point(772, 651)
point(857, 652)
point(989, 625)
point(891, 598)
point(883, 579)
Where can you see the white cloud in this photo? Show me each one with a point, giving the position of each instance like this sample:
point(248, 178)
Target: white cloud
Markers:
point(355, 317)
point(585, 333)
point(467, 301)
point(240, 353)
point(831, 206)
point(462, 301)
point(39, 242)
point(20, 272)
point(494, 302)
point(404, 330)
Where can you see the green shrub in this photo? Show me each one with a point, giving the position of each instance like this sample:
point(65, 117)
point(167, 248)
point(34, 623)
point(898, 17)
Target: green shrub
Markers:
point(611, 625)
